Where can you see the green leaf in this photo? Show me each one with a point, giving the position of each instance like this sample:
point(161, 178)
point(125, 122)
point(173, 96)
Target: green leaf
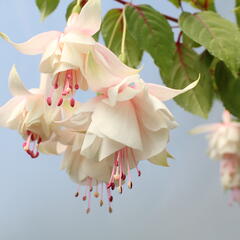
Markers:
point(186, 68)
point(161, 159)
point(229, 89)
point(200, 4)
point(70, 8)
point(46, 7)
point(153, 34)
point(112, 31)
point(218, 35)
point(237, 11)
point(189, 42)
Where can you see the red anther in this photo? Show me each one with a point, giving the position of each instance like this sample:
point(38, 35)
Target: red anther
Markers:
point(72, 102)
point(84, 198)
point(60, 102)
point(35, 155)
point(39, 140)
point(55, 86)
point(88, 210)
point(29, 152)
point(24, 145)
point(33, 137)
point(113, 186)
point(91, 189)
point(116, 163)
point(139, 173)
point(76, 86)
point(77, 194)
point(109, 185)
point(123, 176)
point(110, 198)
point(49, 101)
point(28, 132)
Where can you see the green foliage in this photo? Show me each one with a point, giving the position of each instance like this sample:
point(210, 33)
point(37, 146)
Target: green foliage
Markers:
point(189, 42)
point(46, 7)
point(70, 8)
point(153, 33)
point(218, 35)
point(186, 68)
point(200, 4)
point(112, 31)
point(228, 88)
point(237, 11)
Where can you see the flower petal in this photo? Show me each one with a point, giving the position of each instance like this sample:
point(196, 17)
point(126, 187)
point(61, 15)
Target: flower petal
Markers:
point(35, 45)
point(10, 110)
point(15, 84)
point(165, 93)
point(118, 123)
point(111, 62)
point(89, 20)
point(205, 128)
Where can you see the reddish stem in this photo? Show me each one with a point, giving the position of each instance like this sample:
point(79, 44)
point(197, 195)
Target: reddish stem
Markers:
point(206, 4)
point(166, 16)
point(171, 18)
point(122, 2)
point(83, 2)
point(179, 38)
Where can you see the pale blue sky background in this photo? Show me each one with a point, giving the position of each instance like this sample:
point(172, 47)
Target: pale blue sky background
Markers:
point(183, 202)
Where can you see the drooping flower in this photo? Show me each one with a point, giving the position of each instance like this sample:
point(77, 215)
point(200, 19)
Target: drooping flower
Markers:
point(230, 175)
point(74, 58)
point(28, 113)
point(224, 145)
point(223, 137)
point(87, 173)
point(129, 123)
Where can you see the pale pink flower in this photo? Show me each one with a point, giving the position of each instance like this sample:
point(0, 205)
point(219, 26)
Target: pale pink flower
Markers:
point(230, 175)
point(74, 58)
point(224, 145)
point(129, 123)
point(223, 137)
point(28, 113)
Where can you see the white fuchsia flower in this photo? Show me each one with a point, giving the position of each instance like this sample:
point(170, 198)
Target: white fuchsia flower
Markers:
point(85, 172)
point(28, 113)
point(230, 175)
point(74, 58)
point(223, 137)
point(129, 123)
point(224, 145)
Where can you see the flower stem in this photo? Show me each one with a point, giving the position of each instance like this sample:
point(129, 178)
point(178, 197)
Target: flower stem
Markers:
point(114, 31)
point(124, 33)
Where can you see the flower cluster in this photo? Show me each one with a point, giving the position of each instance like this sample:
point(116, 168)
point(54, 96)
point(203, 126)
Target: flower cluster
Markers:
point(103, 139)
point(224, 145)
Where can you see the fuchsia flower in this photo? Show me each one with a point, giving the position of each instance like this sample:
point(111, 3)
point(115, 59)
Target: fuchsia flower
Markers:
point(224, 145)
point(104, 138)
point(126, 123)
point(74, 58)
point(28, 113)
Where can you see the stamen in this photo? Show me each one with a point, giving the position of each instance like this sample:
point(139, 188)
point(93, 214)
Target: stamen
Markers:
point(49, 101)
point(72, 102)
point(135, 162)
point(32, 144)
point(101, 198)
point(128, 170)
point(60, 102)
